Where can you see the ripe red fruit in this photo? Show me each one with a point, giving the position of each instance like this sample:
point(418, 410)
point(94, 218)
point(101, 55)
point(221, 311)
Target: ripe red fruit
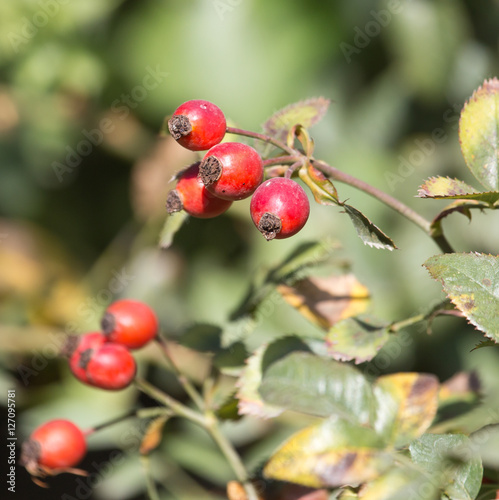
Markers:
point(197, 125)
point(58, 444)
point(111, 367)
point(231, 170)
point(192, 196)
point(79, 348)
point(130, 323)
point(279, 208)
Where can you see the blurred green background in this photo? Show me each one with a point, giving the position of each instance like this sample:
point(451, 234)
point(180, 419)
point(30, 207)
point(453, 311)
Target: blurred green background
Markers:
point(85, 86)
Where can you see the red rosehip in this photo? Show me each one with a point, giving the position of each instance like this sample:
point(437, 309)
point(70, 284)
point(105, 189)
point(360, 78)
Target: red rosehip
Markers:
point(111, 367)
point(191, 195)
point(231, 170)
point(58, 444)
point(79, 348)
point(279, 208)
point(197, 125)
point(130, 322)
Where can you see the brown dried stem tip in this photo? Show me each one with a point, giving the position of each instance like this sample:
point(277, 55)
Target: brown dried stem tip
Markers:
point(173, 202)
point(70, 345)
point(179, 126)
point(210, 170)
point(270, 226)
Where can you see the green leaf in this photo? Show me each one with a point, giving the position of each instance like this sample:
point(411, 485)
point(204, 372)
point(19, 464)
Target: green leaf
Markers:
point(460, 468)
point(484, 343)
point(322, 188)
point(172, 224)
point(462, 206)
point(486, 442)
point(250, 400)
point(479, 134)
point(369, 233)
point(305, 113)
point(401, 483)
point(358, 339)
point(309, 384)
point(471, 281)
point(333, 453)
point(407, 405)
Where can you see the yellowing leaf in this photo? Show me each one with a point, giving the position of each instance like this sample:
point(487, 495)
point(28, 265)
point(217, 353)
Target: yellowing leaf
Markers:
point(444, 187)
point(325, 301)
point(333, 453)
point(407, 405)
point(153, 435)
point(479, 134)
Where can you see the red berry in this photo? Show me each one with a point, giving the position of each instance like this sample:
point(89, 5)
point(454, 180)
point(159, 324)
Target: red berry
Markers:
point(130, 323)
point(79, 348)
point(192, 196)
point(231, 170)
point(56, 444)
point(279, 208)
point(197, 125)
point(111, 367)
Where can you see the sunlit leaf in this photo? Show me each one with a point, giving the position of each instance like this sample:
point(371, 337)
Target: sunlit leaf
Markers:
point(471, 281)
point(322, 188)
point(460, 468)
point(445, 187)
point(305, 113)
point(407, 405)
point(335, 452)
point(358, 339)
point(325, 301)
point(479, 134)
point(309, 384)
point(369, 233)
point(153, 434)
point(172, 224)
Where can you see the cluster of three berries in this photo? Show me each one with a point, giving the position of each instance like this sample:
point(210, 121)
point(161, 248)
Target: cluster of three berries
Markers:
point(103, 359)
point(228, 172)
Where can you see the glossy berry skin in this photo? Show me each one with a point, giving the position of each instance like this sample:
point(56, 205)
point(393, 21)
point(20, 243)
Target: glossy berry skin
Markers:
point(191, 195)
point(130, 323)
point(56, 444)
point(80, 351)
point(197, 125)
point(111, 367)
point(279, 208)
point(231, 170)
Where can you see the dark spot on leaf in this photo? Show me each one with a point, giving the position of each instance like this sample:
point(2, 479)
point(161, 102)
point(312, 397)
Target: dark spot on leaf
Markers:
point(423, 384)
point(336, 474)
point(486, 282)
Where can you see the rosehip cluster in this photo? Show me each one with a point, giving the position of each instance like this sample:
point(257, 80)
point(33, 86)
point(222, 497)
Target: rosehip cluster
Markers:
point(230, 171)
point(103, 359)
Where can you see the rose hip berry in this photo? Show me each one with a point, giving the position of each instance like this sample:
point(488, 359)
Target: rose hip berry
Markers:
point(130, 322)
point(79, 348)
point(197, 125)
point(279, 208)
point(231, 170)
point(110, 367)
point(191, 195)
point(57, 444)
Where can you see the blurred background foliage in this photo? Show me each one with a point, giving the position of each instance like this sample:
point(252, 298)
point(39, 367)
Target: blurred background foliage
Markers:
point(85, 86)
